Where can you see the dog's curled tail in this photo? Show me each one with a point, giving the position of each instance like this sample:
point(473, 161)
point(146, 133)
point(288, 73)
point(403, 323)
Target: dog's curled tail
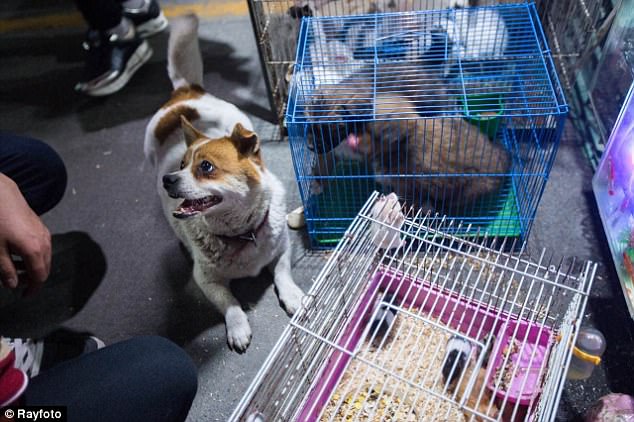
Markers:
point(184, 61)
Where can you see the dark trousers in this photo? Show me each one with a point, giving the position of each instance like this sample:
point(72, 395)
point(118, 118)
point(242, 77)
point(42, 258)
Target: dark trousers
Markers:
point(100, 14)
point(36, 168)
point(141, 379)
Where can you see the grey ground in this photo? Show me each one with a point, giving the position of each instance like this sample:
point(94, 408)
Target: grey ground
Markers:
point(145, 289)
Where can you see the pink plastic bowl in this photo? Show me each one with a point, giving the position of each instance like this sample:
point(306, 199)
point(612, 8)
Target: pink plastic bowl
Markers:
point(527, 363)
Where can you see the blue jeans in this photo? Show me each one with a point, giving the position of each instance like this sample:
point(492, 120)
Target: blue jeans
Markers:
point(36, 168)
point(141, 379)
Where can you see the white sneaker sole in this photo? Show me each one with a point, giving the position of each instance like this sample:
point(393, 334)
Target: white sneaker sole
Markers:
point(140, 56)
point(100, 344)
point(152, 27)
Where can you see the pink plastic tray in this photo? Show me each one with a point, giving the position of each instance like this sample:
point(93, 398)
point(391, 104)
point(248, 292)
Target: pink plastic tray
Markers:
point(473, 318)
point(533, 344)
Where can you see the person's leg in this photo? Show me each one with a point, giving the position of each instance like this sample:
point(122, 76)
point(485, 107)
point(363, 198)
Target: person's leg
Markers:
point(146, 15)
point(114, 42)
point(114, 51)
point(101, 14)
point(36, 168)
point(141, 379)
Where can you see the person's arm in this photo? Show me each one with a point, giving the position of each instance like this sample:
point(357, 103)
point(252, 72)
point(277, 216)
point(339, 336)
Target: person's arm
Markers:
point(22, 233)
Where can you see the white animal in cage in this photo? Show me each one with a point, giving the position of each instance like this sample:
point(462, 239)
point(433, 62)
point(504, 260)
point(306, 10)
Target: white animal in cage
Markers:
point(389, 218)
point(339, 62)
point(476, 34)
point(446, 330)
point(332, 60)
point(463, 34)
point(344, 48)
point(469, 34)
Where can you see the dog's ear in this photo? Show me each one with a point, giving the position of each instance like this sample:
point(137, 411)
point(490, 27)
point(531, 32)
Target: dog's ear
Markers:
point(246, 142)
point(191, 133)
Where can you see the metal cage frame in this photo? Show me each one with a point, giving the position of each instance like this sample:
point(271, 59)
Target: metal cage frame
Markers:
point(420, 145)
point(334, 330)
point(574, 30)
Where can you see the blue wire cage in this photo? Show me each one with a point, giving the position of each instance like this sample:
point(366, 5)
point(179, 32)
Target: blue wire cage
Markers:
point(458, 111)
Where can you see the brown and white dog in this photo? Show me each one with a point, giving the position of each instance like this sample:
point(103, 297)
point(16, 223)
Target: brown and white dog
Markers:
point(220, 199)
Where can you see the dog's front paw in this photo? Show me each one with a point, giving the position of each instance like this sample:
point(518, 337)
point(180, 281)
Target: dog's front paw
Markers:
point(238, 329)
point(291, 298)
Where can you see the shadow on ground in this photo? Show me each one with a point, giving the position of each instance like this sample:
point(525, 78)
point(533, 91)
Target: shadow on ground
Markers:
point(78, 267)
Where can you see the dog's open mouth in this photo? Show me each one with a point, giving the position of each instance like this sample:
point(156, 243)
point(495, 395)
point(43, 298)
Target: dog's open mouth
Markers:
point(192, 207)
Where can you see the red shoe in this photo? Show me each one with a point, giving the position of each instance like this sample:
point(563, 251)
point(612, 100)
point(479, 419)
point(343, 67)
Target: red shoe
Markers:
point(13, 381)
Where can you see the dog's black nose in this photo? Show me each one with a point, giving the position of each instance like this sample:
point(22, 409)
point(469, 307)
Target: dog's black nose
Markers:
point(169, 180)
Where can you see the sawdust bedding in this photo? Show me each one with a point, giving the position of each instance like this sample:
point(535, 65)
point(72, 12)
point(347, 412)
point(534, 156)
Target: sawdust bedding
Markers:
point(415, 351)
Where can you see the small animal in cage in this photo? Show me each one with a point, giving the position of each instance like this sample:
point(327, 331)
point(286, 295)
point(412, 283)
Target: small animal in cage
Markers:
point(459, 365)
point(423, 92)
point(462, 160)
point(470, 144)
point(332, 59)
point(445, 330)
point(340, 46)
point(465, 164)
point(476, 34)
point(469, 35)
point(388, 219)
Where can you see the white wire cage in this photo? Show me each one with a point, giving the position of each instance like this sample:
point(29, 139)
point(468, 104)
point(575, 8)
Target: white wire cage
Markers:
point(408, 322)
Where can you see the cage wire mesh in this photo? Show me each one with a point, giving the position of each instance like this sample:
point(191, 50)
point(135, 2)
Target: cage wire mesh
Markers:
point(601, 73)
point(576, 30)
point(409, 322)
point(458, 111)
point(276, 27)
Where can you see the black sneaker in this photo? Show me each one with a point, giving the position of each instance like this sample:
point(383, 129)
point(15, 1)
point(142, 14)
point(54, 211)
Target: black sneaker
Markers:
point(111, 62)
point(148, 19)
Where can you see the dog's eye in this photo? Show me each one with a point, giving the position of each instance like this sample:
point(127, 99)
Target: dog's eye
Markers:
point(182, 164)
point(206, 166)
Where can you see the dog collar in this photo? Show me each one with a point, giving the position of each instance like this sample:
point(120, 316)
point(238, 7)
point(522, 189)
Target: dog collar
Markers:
point(243, 239)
